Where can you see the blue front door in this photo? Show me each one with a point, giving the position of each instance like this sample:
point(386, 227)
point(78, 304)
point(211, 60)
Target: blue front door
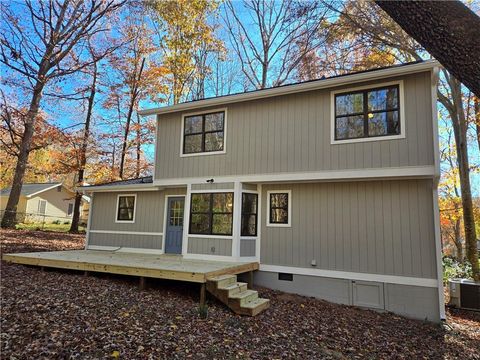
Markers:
point(174, 229)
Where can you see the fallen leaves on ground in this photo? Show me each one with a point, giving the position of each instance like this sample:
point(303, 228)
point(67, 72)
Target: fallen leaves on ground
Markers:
point(58, 314)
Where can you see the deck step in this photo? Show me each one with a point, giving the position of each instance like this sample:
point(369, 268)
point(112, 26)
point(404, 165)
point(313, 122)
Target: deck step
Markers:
point(236, 295)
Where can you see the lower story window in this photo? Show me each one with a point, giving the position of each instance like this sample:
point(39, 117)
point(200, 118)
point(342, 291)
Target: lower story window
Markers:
point(70, 209)
point(211, 214)
point(279, 208)
point(249, 214)
point(126, 208)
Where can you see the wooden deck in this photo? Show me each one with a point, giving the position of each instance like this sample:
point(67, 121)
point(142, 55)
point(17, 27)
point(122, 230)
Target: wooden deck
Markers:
point(172, 267)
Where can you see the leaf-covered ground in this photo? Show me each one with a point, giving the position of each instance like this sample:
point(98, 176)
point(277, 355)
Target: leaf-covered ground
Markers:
point(63, 315)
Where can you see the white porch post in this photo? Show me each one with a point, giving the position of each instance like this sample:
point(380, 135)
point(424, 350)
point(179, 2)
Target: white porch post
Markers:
point(186, 219)
point(237, 210)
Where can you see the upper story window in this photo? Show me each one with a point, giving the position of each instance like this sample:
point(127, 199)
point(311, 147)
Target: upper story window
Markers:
point(204, 133)
point(368, 113)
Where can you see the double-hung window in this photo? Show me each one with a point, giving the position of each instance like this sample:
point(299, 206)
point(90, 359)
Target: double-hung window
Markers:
point(211, 214)
point(368, 113)
point(204, 133)
point(126, 208)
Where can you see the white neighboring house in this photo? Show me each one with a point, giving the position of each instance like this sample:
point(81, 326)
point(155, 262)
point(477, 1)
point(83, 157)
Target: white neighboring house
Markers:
point(45, 202)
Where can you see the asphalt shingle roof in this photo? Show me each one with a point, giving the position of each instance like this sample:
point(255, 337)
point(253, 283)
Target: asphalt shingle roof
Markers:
point(140, 180)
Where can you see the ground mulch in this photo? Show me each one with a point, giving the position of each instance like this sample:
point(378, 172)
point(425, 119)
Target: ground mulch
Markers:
point(58, 314)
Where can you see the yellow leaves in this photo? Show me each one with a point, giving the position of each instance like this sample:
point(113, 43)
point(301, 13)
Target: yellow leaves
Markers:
point(115, 354)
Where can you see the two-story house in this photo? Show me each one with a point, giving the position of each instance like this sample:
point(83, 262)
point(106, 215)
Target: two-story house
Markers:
point(331, 185)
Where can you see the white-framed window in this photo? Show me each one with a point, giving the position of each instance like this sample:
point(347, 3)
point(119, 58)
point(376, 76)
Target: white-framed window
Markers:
point(211, 213)
point(204, 133)
point(368, 113)
point(126, 206)
point(70, 209)
point(42, 207)
point(279, 207)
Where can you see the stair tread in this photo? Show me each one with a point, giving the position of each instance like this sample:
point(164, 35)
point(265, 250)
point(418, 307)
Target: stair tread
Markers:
point(232, 286)
point(243, 294)
point(257, 302)
point(222, 277)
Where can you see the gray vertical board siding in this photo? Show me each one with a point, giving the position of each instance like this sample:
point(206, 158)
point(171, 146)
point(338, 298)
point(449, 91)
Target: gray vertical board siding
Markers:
point(210, 246)
point(149, 213)
point(214, 186)
point(291, 133)
point(126, 240)
point(378, 227)
point(247, 247)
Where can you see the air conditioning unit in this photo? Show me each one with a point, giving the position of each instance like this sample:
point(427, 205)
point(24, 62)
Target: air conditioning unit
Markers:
point(464, 294)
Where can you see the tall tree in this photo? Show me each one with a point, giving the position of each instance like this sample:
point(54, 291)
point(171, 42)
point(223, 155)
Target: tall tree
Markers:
point(379, 28)
point(274, 38)
point(186, 38)
point(42, 42)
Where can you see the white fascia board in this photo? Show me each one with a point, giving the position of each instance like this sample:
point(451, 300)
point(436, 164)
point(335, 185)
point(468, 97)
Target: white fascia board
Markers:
point(41, 191)
point(296, 88)
point(113, 188)
point(331, 175)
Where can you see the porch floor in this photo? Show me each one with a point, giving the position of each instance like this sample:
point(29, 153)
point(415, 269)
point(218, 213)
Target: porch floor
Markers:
point(172, 267)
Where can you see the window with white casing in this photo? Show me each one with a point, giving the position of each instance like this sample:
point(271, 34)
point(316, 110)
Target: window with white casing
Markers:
point(279, 208)
point(126, 208)
point(204, 133)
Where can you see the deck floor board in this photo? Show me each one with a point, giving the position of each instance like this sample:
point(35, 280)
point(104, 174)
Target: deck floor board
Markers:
point(163, 266)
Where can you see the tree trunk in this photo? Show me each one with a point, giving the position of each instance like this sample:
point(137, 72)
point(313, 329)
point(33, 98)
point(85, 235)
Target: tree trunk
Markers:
point(458, 241)
point(10, 215)
point(460, 130)
point(83, 153)
point(476, 105)
point(139, 147)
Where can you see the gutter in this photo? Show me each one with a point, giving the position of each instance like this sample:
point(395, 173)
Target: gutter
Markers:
point(296, 88)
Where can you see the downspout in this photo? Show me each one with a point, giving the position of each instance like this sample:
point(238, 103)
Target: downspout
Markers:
point(436, 179)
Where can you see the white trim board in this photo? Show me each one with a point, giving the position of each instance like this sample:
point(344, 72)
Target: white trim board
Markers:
point(296, 88)
point(391, 279)
point(401, 100)
point(427, 171)
point(126, 232)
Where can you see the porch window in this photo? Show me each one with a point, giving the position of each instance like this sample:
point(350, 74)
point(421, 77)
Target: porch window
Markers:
point(211, 214)
point(204, 133)
point(367, 113)
point(279, 208)
point(249, 214)
point(126, 208)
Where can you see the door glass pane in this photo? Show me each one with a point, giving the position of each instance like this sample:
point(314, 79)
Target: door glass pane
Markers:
point(176, 213)
point(214, 122)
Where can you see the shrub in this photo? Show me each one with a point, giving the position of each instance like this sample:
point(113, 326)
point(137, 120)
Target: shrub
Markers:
point(66, 222)
point(453, 269)
point(56, 222)
point(203, 311)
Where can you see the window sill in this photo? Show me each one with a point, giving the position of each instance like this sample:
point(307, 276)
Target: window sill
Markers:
point(204, 236)
point(125, 221)
point(279, 225)
point(368, 139)
point(204, 153)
